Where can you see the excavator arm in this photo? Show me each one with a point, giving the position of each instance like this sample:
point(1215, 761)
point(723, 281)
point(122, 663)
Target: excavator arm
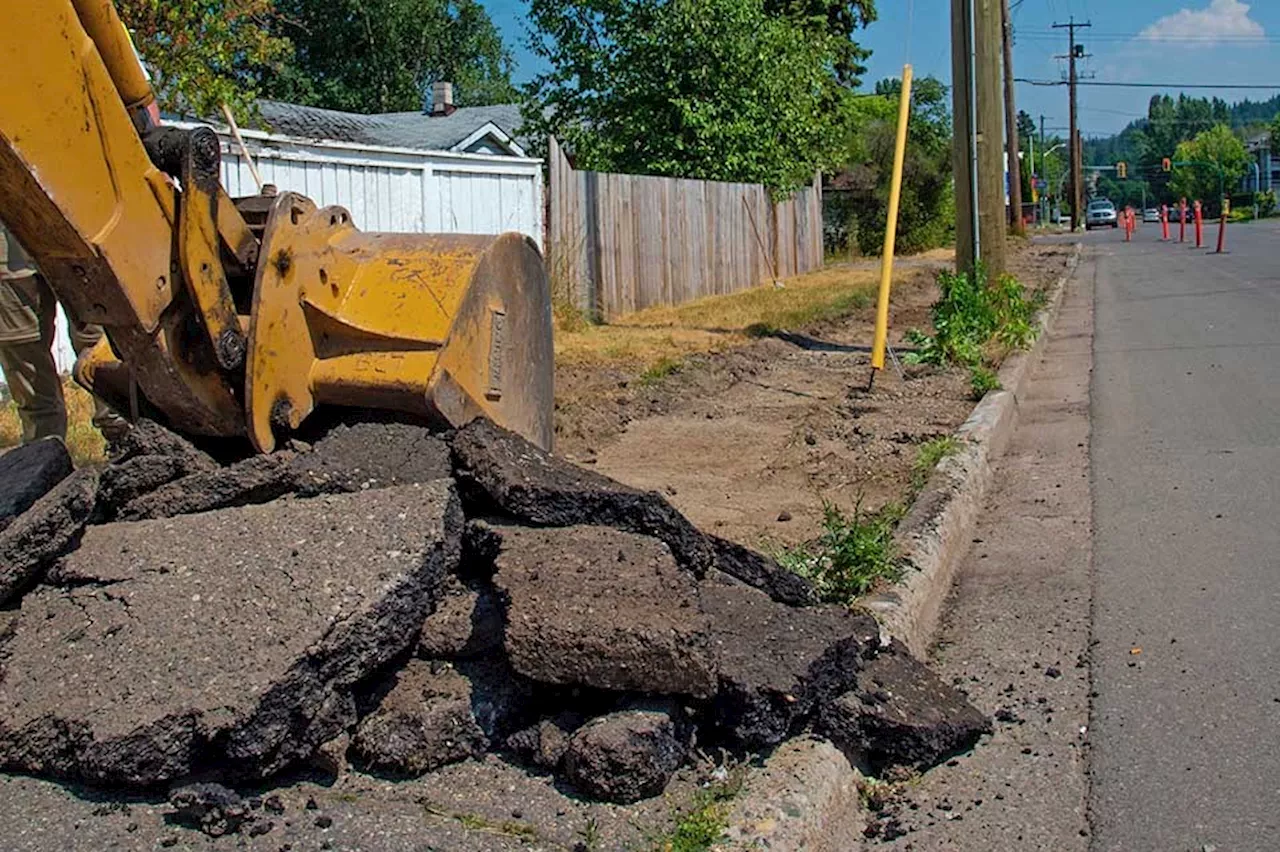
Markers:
point(239, 318)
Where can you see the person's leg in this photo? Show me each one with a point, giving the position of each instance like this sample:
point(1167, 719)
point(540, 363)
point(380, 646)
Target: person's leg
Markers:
point(110, 424)
point(29, 368)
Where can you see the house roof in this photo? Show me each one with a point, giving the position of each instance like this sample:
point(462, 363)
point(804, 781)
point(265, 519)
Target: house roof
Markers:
point(464, 127)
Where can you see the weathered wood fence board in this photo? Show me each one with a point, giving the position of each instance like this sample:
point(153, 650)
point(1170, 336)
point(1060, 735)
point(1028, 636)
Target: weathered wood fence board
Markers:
point(618, 243)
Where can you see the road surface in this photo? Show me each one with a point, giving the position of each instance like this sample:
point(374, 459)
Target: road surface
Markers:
point(1185, 739)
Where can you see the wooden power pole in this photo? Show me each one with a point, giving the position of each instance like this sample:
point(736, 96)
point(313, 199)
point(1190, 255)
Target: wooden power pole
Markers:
point(978, 152)
point(1011, 127)
point(1077, 156)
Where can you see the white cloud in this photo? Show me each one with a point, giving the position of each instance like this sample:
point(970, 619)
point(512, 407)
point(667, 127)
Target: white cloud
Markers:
point(1221, 21)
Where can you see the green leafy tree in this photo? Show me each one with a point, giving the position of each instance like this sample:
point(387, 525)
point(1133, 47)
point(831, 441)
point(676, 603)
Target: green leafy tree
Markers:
point(926, 215)
point(1275, 133)
point(383, 55)
point(1221, 161)
point(203, 53)
point(841, 20)
point(712, 89)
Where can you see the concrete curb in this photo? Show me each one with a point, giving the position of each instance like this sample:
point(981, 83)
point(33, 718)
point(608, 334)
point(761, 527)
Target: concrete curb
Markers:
point(937, 531)
point(805, 799)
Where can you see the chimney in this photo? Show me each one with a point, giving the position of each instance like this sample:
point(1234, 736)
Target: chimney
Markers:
point(442, 98)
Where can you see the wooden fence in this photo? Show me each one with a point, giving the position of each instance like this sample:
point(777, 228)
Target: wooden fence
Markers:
point(619, 243)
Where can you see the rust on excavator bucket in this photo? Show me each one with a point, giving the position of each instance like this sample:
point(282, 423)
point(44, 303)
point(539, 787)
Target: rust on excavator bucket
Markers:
point(129, 225)
point(445, 327)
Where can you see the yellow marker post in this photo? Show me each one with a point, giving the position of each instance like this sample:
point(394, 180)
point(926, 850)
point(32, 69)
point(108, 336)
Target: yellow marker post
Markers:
point(891, 229)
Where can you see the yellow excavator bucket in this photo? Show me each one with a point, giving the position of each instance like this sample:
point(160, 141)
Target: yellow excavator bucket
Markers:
point(240, 318)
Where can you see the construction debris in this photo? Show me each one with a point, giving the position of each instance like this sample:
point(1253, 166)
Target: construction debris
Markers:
point(45, 531)
point(601, 608)
point(627, 756)
point(164, 660)
point(27, 473)
point(350, 610)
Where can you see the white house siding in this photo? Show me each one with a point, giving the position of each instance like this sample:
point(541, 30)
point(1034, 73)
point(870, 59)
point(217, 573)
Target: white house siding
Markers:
point(386, 189)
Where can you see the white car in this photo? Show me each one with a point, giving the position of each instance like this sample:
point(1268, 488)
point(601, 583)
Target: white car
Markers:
point(1151, 214)
point(1101, 214)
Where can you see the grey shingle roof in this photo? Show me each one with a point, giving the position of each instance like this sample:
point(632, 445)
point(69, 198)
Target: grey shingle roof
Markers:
point(394, 130)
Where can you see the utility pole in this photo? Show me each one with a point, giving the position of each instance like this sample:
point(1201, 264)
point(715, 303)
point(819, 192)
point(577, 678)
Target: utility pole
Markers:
point(1011, 127)
point(1077, 157)
point(1044, 175)
point(978, 155)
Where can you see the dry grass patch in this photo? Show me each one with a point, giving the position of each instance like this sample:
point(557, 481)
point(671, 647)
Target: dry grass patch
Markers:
point(84, 441)
point(663, 334)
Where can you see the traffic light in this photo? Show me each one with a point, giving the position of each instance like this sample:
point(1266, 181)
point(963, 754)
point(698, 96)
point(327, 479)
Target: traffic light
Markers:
point(1166, 164)
point(1122, 170)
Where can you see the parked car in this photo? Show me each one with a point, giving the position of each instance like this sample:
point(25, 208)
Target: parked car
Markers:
point(1175, 213)
point(1151, 214)
point(1101, 213)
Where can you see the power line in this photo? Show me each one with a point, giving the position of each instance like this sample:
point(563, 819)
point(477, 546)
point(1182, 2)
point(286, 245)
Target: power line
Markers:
point(1119, 85)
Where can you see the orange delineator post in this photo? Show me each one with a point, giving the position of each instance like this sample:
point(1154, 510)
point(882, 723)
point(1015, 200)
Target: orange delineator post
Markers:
point(1182, 221)
point(1222, 224)
point(1199, 225)
point(1128, 224)
point(1164, 222)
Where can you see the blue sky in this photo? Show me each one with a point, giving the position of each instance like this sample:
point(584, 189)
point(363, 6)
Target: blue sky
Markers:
point(1158, 41)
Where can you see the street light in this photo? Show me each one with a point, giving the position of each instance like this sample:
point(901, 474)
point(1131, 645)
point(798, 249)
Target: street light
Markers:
point(1044, 167)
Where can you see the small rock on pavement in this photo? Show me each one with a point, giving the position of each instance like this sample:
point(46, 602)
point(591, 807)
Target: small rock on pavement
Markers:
point(212, 808)
point(627, 756)
point(233, 639)
point(45, 531)
point(371, 455)
point(901, 714)
point(776, 664)
point(497, 469)
point(592, 606)
point(29, 472)
point(259, 479)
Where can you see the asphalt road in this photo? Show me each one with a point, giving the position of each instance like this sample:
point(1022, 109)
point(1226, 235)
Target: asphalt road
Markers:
point(1185, 729)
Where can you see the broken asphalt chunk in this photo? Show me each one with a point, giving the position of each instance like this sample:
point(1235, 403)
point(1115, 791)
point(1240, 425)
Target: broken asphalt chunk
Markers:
point(499, 470)
point(230, 639)
point(29, 472)
point(45, 532)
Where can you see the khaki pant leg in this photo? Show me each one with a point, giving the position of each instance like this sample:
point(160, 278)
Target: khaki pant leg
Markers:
point(109, 423)
point(31, 372)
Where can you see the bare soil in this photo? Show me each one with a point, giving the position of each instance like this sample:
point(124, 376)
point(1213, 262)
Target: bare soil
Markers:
point(750, 442)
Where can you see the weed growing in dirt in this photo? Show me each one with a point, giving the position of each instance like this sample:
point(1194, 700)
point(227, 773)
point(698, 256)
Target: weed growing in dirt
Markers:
point(852, 554)
point(981, 380)
point(927, 458)
point(972, 316)
point(659, 370)
point(705, 820)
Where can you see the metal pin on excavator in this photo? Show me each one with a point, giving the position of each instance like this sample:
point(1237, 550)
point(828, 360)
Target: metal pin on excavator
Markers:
point(239, 318)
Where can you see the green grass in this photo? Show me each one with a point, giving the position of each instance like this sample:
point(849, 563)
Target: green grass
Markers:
point(659, 370)
point(851, 556)
point(927, 458)
point(982, 380)
point(702, 823)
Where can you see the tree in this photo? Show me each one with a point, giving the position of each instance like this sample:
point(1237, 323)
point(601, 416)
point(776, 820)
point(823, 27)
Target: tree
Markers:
point(926, 213)
point(1220, 161)
point(383, 55)
point(203, 53)
point(840, 20)
point(1275, 133)
point(712, 89)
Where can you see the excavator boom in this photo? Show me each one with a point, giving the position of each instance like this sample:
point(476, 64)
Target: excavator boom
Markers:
point(230, 318)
